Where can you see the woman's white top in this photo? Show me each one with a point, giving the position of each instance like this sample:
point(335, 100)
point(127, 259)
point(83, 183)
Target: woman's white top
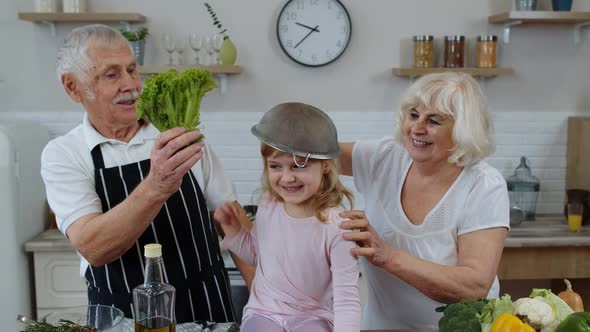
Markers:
point(478, 199)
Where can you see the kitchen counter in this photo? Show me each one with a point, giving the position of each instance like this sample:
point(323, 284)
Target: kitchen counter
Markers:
point(545, 249)
point(50, 240)
point(539, 249)
point(546, 231)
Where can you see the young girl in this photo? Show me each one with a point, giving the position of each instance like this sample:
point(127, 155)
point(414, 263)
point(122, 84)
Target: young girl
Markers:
point(306, 278)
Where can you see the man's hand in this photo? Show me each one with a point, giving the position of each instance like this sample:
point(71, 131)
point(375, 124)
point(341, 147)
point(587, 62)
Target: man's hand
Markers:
point(228, 215)
point(173, 155)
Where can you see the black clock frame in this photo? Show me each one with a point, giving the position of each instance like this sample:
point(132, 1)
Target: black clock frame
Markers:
point(307, 64)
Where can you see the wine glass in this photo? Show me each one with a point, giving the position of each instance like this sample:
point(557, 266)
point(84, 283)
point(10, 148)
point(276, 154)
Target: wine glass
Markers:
point(210, 47)
point(217, 41)
point(169, 45)
point(196, 42)
point(180, 46)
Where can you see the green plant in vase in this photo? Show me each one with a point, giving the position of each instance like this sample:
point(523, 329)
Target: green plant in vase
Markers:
point(227, 52)
point(136, 39)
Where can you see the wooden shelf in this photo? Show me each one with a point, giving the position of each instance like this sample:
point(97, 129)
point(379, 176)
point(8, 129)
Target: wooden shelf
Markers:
point(513, 18)
point(476, 72)
point(540, 17)
point(214, 69)
point(82, 17)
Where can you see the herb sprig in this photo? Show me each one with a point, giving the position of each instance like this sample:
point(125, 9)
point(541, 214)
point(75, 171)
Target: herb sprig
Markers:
point(62, 326)
point(216, 21)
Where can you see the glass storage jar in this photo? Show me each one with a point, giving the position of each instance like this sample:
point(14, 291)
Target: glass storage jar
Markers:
point(423, 51)
point(46, 6)
point(454, 51)
point(523, 190)
point(75, 6)
point(486, 51)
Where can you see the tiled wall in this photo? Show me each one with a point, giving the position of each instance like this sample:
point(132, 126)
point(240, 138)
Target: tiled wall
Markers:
point(540, 136)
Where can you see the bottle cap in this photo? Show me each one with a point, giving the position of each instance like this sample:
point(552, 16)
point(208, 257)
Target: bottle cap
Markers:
point(153, 250)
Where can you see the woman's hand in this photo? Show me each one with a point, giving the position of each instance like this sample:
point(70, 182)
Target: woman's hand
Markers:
point(371, 246)
point(228, 215)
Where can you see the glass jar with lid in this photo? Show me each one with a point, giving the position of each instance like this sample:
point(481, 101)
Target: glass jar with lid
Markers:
point(423, 51)
point(486, 51)
point(523, 190)
point(454, 51)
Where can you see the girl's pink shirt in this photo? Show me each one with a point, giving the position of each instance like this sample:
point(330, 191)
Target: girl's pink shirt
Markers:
point(303, 267)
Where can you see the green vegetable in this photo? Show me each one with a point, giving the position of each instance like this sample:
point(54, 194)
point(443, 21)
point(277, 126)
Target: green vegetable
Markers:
point(576, 322)
point(461, 316)
point(171, 99)
point(135, 35)
point(62, 326)
point(493, 310)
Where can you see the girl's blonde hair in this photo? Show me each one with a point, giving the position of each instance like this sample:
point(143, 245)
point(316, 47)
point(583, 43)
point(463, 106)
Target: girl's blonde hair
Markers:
point(459, 96)
point(330, 194)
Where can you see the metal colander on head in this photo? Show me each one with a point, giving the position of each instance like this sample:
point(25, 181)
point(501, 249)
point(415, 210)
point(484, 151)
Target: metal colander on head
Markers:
point(299, 129)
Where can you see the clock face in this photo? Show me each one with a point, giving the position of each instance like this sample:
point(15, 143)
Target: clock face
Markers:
point(314, 32)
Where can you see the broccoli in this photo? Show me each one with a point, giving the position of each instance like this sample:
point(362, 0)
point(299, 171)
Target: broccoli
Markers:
point(171, 99)
point(461, 316)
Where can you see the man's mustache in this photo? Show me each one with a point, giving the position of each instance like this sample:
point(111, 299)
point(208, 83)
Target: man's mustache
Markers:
point(126, 96)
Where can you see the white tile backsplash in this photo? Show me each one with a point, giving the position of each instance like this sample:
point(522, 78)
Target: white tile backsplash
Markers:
point(540, 136)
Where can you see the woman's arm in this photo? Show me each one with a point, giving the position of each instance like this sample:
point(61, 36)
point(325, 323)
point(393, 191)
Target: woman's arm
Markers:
point(479, 254)
point(345, 158)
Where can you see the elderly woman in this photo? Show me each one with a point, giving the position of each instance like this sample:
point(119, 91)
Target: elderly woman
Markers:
point(436, 215)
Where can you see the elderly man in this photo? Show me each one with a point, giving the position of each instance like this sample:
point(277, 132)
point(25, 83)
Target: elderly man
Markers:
point(116, 184)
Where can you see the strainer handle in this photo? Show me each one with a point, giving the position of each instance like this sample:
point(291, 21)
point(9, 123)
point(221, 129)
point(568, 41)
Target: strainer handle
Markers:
point(304, 163)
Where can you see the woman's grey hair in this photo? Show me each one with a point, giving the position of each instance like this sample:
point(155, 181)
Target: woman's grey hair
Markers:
point(459, 96)
point(73, 58)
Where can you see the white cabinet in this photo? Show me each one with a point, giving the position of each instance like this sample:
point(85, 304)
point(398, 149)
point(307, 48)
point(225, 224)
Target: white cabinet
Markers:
point(57, 273)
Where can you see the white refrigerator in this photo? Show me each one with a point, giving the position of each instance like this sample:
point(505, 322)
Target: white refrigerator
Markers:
point(23, 215)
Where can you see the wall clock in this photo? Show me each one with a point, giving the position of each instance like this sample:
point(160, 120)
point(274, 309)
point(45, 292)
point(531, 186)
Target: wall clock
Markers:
point(314, 32)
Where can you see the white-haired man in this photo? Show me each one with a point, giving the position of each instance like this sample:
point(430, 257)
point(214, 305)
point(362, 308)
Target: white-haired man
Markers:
point(116, 184)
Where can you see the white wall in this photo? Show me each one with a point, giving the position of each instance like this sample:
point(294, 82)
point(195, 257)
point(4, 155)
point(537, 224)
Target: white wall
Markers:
point(539, 136)
point(552, 74)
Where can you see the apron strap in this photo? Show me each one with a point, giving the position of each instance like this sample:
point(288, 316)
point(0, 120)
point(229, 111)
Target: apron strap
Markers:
point(97, 158)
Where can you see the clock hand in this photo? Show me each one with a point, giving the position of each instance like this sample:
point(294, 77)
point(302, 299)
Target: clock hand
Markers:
point(309, 33)
point(307, 26)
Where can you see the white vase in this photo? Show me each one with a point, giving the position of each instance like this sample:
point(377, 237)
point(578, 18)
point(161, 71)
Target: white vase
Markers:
point(138, 49)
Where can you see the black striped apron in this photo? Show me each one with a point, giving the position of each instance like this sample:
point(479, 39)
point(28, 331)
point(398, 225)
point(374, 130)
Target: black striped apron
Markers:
point(190, 250)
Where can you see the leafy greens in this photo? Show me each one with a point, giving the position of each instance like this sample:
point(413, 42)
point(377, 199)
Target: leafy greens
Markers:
point(171, 98)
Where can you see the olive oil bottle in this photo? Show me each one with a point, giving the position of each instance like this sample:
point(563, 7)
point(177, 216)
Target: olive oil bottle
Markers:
point(154, 301)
